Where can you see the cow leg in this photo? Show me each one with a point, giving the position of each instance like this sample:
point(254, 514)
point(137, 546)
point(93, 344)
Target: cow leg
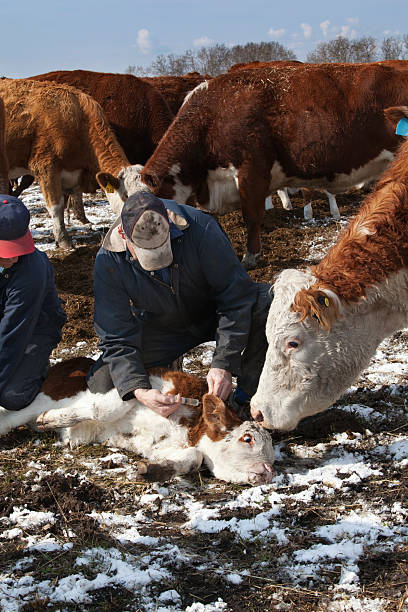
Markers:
point(269, 203)
point(253, 186)
point(285, 199)
point(50, 185)
point(76, 204)
point(333, 205)
point(307, 195)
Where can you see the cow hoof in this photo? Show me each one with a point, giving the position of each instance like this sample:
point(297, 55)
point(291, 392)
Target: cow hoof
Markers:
point(65, 243)
point(41, 422)
point(249, 260)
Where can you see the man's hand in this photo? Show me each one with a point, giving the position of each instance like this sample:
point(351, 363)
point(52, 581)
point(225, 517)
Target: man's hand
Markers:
point(158, 402)
point(219, 382)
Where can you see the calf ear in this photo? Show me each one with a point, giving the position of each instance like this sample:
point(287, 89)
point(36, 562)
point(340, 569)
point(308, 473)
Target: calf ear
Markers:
point(107, 181)
point(218, 417)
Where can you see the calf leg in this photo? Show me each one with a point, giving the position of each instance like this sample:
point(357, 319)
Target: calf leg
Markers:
point(90, 407)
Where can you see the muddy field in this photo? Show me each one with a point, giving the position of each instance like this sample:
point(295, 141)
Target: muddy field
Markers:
point(81, 530)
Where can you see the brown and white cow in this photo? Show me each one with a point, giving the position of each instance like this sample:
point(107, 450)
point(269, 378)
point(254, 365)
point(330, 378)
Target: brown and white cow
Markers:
point(61, 136)
point(326, 322)
point(243, 135)
point(3, 156)
point(234, 451)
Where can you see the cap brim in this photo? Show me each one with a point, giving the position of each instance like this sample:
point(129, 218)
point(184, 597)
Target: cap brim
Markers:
point(155, 259)
point(113, 241)
point(17, 247)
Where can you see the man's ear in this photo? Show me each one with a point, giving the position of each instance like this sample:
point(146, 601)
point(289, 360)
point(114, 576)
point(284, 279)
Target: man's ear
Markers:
point(218, 417)
point(107, 181)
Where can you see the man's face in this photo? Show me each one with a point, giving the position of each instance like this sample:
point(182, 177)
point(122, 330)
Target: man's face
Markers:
point(7, 262)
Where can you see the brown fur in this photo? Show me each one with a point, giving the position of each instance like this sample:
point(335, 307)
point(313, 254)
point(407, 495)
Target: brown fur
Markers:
point(3, 155)
point(175, 88)
point(60, 381)
point(315, 120)
point(136, 111)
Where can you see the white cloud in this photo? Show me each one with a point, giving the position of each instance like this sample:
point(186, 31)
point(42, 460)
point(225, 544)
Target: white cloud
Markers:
point(203, 41)
point(143, 41)
point(353, 20)
point(324, 26)
point(307, 30)
point(276, 33)
point(347, 32)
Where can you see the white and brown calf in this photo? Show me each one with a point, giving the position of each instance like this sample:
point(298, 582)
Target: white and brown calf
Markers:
point(234, 451)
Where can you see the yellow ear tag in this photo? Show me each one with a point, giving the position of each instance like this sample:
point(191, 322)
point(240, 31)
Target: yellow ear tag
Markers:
point(326, 301)
point(109, 188)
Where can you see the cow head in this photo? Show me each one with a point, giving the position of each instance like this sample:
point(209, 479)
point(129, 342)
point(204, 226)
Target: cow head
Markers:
point(235, 451)
point(315, 352)
point(119, 188)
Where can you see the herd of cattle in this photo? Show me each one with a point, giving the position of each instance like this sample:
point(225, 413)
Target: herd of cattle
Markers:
point(234, 140)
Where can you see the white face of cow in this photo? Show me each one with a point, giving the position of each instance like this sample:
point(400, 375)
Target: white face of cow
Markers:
point(306, 368)
point(117, 189)
point(245, 455)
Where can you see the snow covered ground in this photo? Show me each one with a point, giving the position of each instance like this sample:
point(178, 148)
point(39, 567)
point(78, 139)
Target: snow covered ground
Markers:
point(80, 530)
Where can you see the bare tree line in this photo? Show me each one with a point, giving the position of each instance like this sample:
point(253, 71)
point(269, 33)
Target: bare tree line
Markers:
point(365, 49)
point(219, 58)
point(213, 60)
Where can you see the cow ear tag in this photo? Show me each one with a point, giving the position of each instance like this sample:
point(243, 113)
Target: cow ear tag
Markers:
point(324, 301)
point(402, 127)
point(109, 188)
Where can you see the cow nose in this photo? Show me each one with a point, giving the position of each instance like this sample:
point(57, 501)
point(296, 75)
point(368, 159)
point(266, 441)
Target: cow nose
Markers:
point(257, 416)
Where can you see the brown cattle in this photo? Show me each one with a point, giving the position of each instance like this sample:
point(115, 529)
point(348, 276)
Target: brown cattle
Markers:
point(61, 136)
point(136, 111)
point(3, 156)
point(245, 134)
point(175, 88)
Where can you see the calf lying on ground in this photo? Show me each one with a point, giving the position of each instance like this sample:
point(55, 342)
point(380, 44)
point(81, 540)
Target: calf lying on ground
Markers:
point(234, 451)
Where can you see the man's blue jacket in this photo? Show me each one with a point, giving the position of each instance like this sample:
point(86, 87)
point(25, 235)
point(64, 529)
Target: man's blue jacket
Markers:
point(206, 282)
point(30, 310)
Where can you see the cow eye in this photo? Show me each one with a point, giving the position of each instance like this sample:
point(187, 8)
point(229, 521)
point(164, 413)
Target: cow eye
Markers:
point(293, 344)
point(247, 438)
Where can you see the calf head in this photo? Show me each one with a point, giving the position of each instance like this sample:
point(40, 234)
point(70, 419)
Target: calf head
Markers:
point(233, 450)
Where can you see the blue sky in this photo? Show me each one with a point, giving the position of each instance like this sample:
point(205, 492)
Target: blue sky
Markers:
point(109, 36)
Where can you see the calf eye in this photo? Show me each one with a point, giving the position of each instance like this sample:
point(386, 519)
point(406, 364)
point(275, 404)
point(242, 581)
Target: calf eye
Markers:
point(247, 438)
point(293, 344)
